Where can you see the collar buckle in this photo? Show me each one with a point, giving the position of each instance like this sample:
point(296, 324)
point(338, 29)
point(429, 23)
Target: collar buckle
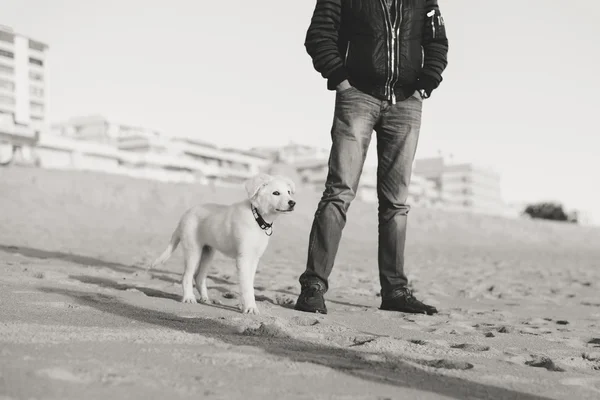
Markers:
point(264, 225)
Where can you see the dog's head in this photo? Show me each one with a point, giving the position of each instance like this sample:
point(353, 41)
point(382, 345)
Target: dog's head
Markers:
point(271, 194)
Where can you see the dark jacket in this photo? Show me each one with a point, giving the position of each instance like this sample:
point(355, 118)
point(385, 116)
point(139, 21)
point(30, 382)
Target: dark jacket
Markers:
point(387, 53)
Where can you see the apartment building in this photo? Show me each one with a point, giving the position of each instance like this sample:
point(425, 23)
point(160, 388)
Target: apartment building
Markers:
point(293, 153)
point(464, 186)
point(98, 129)
point(22, 86)
point(146, 149)
point(220, 164)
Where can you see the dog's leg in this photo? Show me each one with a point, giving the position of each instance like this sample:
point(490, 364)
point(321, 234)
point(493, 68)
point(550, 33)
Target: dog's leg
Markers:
point(246, 268)
point(192, 253)
point(200, 277)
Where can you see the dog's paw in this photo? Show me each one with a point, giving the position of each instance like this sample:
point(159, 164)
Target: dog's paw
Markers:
point(251, 310)
point(189, 300)
point(205, 300)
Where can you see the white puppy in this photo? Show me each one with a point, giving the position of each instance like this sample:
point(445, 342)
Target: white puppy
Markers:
point(240, 230)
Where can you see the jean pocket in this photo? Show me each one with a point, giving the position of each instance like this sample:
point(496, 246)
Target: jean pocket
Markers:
point(350, 89)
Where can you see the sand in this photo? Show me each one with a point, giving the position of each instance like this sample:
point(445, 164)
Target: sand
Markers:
point(80, 318)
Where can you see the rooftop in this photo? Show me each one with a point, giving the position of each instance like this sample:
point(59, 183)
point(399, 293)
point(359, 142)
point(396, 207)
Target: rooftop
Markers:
point(7, 31)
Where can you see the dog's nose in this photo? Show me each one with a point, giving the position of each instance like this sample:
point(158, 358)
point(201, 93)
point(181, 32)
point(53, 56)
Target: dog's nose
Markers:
point(291, 203)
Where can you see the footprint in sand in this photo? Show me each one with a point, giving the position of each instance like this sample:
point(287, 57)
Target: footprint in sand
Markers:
point(360, 341)
point(530, 331)
point(284, 300)
point(594, 356)
point(504, 329)
point(471, 347)
point(590, 304)
point(266, 330)
point(536, 321)
point(543, 362)
point(447, 364)
point(305, 321)
point(595, 342)
point(593, 359)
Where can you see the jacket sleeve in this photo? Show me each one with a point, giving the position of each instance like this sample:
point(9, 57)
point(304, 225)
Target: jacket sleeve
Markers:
point(435, 48)
point(324, 42)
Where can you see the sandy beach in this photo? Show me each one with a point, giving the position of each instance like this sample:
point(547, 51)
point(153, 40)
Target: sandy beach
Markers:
point(80, 318)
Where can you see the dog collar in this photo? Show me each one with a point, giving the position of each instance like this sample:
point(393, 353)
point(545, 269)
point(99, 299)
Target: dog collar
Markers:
point(264, 225)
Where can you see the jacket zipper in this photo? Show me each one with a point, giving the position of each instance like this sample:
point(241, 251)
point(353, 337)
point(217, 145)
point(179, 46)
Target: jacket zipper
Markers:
point(395, 42)
point(392, 39)
point(388, 24)
point(432, 12)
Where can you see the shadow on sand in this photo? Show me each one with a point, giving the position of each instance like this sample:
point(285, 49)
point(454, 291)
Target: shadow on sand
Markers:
point(161, 274)
point(394, 371)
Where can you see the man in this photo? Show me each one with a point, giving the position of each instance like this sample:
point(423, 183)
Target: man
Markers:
point(383, 57)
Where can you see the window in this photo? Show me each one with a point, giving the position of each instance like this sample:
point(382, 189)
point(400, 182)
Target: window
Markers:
point(36, 76)
point(6, 99)
point(36, 45)
point(36, 61)
point(6, 68)
point(7, 37)
point(4, 84)
point(7, 54)
point(36, 91)
point(36, 108)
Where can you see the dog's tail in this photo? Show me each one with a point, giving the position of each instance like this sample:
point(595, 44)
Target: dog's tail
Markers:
point(168, 251)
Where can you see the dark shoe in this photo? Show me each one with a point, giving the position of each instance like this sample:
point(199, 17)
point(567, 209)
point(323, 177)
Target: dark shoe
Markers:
point(311, 299)
point(403, 300)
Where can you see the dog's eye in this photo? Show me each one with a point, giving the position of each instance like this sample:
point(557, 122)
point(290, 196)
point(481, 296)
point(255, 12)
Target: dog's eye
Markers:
point(276, 193)
point(289, 192)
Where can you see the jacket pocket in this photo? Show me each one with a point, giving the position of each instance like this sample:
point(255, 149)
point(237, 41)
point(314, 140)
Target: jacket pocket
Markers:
point(435, 23)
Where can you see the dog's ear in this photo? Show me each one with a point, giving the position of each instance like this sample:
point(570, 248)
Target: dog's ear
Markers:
point(253, 185)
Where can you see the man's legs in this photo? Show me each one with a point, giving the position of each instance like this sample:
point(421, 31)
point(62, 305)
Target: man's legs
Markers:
point(356, 114)
point(397, 139)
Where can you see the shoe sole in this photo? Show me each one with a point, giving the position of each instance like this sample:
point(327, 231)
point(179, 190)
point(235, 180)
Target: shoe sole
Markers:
point(408, 311)
point(310, 310)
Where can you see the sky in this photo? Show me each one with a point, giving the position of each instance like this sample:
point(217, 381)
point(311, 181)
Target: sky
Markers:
point(519, 94)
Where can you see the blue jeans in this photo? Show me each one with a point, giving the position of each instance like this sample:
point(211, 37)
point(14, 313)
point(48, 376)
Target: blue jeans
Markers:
point(397, 126)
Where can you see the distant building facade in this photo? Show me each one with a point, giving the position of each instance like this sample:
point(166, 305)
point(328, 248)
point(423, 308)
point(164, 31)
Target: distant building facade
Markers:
point(23, 100)
point(150, 151)
point(292, 153)
point(463, 186)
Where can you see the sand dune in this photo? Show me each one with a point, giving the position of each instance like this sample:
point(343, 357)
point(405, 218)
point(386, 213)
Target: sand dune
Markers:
point(80, 317)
